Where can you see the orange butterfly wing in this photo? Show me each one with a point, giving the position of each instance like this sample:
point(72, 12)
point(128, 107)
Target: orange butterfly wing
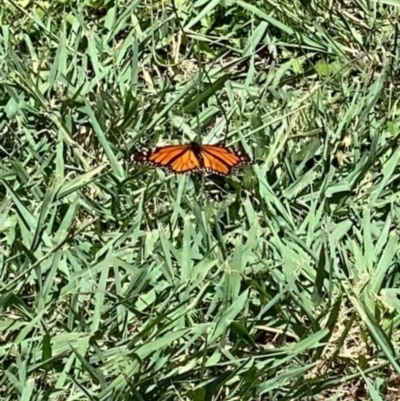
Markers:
point(178, 159)
point(222, 160)
point(182, 159)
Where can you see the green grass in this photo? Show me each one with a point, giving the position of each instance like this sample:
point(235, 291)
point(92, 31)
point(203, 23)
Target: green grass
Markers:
point(123, 283)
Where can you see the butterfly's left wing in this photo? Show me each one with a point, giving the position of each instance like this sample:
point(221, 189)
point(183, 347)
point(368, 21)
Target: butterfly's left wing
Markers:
point(178, 159)
point(222, 160)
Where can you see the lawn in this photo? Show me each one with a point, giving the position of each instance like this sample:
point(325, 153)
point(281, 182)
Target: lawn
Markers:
point(128, 283)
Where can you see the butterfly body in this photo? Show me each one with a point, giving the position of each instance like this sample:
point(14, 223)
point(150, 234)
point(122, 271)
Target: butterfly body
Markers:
point(193, 157)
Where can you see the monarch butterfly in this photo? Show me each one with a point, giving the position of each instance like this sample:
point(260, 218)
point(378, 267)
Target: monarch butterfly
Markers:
point(193, 157)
